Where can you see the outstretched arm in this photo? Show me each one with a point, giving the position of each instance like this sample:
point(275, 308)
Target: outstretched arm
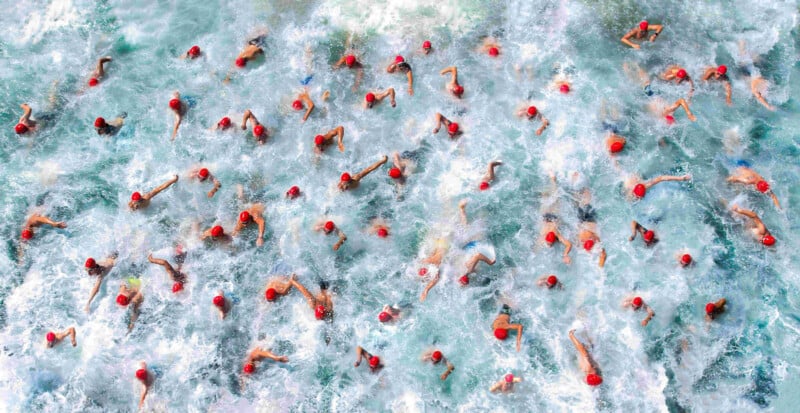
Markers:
point(370, 168)
point(450, 368)
point(728, 91)
point(578, 345)
point(160, 188)
point(428, 287)
point(495, 387)
point(144, 394)
point(339, 130)
point(626, 39)
point(216, 187)
point(95, 289)
point(666, 178)
point(410, 83)
point(261, 225)
point(340, 242)
point(310, 298)
point(178, 119)
point(43, 220)
point(309, 104)
point(746, 212)
point(650, 315)
point(517, 327)
point(541, 129)
point(602, 261)
point(259, 354)
point(567, 246)
point(635, 229)
point(359, 76)
point(462, 211)
point(775, 199)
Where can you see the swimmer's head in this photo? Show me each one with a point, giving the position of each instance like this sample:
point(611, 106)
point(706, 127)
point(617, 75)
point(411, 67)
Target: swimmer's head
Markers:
point(293, 192)
point(271, 294)
point(258, 130)
point(370, 99)
point(141, 374)
point(203, 174)
point(384, 317)
point(194, 51)
point(90, 263)
point(374, 362)
point(768, 240)
point(244, 216)
point(319, 312)
point(493, 51)
point(249, 368)
point(532, 111)
point(711, 308)
point(329, 227)
point(649, 236)
point(501, 333)
point(458, 90)
point(240, 62)
point(464, 280)
point(350, 60)
point(670, 119)
point(177, 287)
point(224, 122)
point(123, 300)
point(345, 177)
point(297, 105)
point(722, 69)
point(483, 186)
point(639, 190)
point(382, 232)
point(395, 173)
point(136, 197)
point(643, 25)
point(550, 237)
point(26, 234)
point(20, 129)
point(100, 123)
point(319, 140)
point(588, 244)
point(452, 129)
point(217, 231)
point(93, 82)
point(399, 59)
point(686, 259)
point(426, 45)
point(175, 104)
point(423, 272)
point(51, 338)
point(617, 147)
point(509, 378)
point(762, 186)
point(219, 301)
point(436, 356)
point(681, 74)
point(564, 88)
point(637, 302)
point(552, 281)
point(594, 380)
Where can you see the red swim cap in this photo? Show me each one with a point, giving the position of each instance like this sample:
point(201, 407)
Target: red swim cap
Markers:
point(99, 123)
point(681, 74)
point(258, 130)
point(399, 59)
point(762, 186)
point(532, 111)
point(175, 104)
point(670, 119)
point(194, 51)
point(509, 378)
point(453, 128)
point(552, 280)
point(458, 90)
point(483, 186)
point(643, 25)
point(329, 226)
point(271, 294)
point(639, 190)
point(293, 192)
point(564, 88)
point(27, 234)
point(350, 60)
point(319, 140)
point(20, 129)
point(617, 147)
point(711, 308)
point(345, 177)
point(177, 287)
point(464, 280)
point(370, 97)
point(225, 122)
point(297, 105)
point(426, 44)
point(141, 374)
point(594, 380)
point(249, 368)
point(51, 337)
point(768, 240)
point(217, 231)
point(637, 302)
point(493, 51)
point(550, 237)
point(423, 272)
point(319, 312)
point(588, 244)
point(384, 317)
point(395, 173)
point(436, 356)
point(649, 235)
point(722, 69)
point(203, 173)
point(686, 259)
point(136, 196)
point(501, 333)
point(90, 263)
point(383, 233)
point(374, 361)
point(244, 216)
point(122, 300)
point(93, 82)
point(219, 301)
point(240, 62)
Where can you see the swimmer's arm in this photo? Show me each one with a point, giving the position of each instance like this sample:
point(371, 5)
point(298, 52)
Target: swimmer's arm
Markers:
point(453, 74)
point(160, 188)
point(567, 246)
point(360, 354)
point(746, 212)
point(43, 220)
point(542, 281)
point(602, 258)
point(708, 73)
point(309, 104)
point(728, 92)
point(410, 83)
point(496, 386)
point(541, 129)
point(216, 187)
point(396, 161)
point(359, 76)
point(144, 394)
point(691, 88)
point(95, 289)
point(519, 335)
point(761, 99)
point(650, 315)
point(270, 355)
point(239, 227)
point(428, 288)
point(205, 234)
point(310, 298)
point(260, 222)
point(340, 134)
point(450, 368)
point(283, 288)
point(178, 119)
point(439, 120)
point(635, 228)
point(626, 39)
point(775, 199)
point(369, 169)
point(657, 28)
point(462, 211)
point(342, 239)
point(339, 63)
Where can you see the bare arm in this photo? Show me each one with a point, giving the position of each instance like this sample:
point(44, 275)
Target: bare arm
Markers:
point(665, 178)
point(453, 73)
point(339, 62)
point(370, 168)
point(309, 104)
point(144, 394)
point(567, 246)
point(775, 199)
point(650, 315)
point(541, 129)
point(728, 92)
point(410, 83)
point(602, 258)
point(260, 222)
point(626, 39)
point(216, 187)
point(495, 387)
point(428, 288)
point(439, 120)
point(746, 212)
point(310, 298)
point(95, 289)
point(43, 220)
point(450, 368)
point(359, 76)
point(340, 134)
point(462, 210)
point(518, 327)
point(160, 188)
point(340, 242)
point(657, 28)
point(360, 354)
point(178, 119)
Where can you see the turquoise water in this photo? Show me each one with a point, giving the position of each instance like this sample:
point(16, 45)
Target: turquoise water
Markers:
point(747, 360)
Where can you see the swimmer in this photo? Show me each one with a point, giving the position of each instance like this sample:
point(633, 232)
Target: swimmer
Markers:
point(747, 176)
point(371, 98)
point(99, 71)
point(489, 177)
point(453, 86)
point(399, 170)
point(252, 50)
point(130, 294)
point(426, 47)
point(490, 46)
point(379, 227)
point(179, 108)
point(719, 74)
point(389, 314)
point(347, 182)
point(435, 258)
point(586, 362)
point(679, 75)
point(203, 175)
point(400, 65)
point(549, 232)
point(139, 201)
point(374, 361)
point(25, 123)
point(502, 323)
point(278, 287)
point(713, 310)
point(648, 236)
point(757, 228)
point(304, 100)
point(216, 233)
point(193, 53)
point(321, 304)
point(37, 220)
point(758, 87)
point(668, 112)
point(635, 188)
point(435, 357)
point(532, 113)
point(222, 304)
point(636, 303)
point(322, 141)
point(293, 192)
point(641, 32)
point(587, 234)
point(175, 275)
point(352, 63)
point(549, 281)
point(99, 270)
point(506, 384)
point(254, 214)
point(657, 105)
point(108, 128)
point(328, 227)
point(259, 354)
point(259, 130)
point(146, 378)
point(452, 127)
point(223, 124)
point(562, 85)
point(472, 263)
point(52, 339)
point(615, 143)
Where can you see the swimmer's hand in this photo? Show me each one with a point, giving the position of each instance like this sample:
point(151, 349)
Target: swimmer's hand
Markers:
point(636, 46)
point(357, 363)
point(436, 130)
point(61, 224)
point(259, 242)
point(567, 260)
